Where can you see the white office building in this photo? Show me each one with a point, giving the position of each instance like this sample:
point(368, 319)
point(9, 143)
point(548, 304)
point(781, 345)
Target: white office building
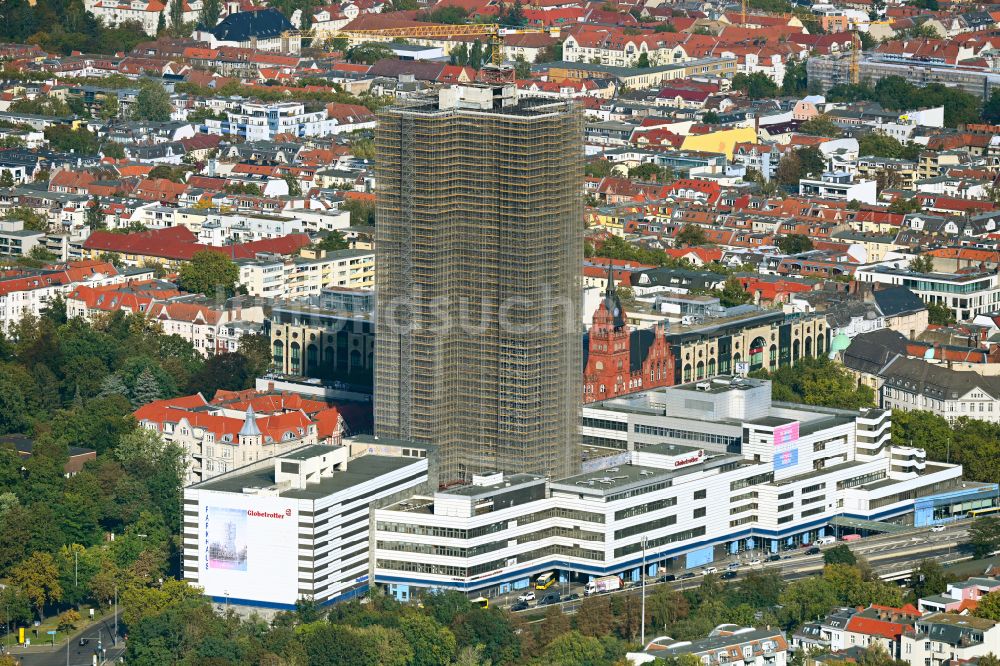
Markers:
point(295, 526)
point(697, 473)
point(263, 121)
point(839, 185)
point(965, 294)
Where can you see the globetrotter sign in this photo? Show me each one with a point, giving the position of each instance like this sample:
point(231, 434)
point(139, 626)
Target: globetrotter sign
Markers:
point(697, 457)
point(265, 514)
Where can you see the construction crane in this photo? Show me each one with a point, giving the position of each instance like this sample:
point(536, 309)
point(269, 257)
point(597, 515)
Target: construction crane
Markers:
point(854, 68)
point(744, 17)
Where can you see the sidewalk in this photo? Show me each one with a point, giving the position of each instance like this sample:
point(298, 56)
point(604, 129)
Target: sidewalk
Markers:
point(43, 642)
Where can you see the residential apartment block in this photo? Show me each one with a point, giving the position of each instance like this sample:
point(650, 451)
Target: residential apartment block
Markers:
point(960, 597)
point(265, 121)
point(275, 276)
point(16, 241)
point(227, 433)
point(846, 630)
point(726, 644)
point(915, 384)
point(28, 291)
point(948, 637)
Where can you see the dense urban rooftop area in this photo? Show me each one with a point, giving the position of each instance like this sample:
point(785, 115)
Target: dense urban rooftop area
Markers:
point(542, 332)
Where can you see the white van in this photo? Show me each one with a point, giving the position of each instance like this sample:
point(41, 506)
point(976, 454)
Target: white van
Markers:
point(826, 541)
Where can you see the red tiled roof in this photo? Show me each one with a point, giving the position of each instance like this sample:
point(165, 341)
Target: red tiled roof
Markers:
point(62, 274)
point(177, 243)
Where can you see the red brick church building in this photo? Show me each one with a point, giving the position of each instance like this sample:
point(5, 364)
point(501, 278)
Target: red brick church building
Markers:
point(619, 361)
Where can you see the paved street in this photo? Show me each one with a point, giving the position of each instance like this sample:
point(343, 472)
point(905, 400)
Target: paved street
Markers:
point(887, 554)
point(77, 655)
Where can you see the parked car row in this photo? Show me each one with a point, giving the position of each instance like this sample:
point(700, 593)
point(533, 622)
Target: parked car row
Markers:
point(614, 583)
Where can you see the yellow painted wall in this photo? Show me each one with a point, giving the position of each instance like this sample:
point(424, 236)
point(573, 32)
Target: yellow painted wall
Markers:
point(723, 141)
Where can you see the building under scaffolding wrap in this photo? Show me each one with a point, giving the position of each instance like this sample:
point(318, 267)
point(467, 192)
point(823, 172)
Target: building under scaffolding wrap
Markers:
point(479, 247)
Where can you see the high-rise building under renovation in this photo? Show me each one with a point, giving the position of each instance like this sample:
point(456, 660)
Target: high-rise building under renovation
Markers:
point(478, 255)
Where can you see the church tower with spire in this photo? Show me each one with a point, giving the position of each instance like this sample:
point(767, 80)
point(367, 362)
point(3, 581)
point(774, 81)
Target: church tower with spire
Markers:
point(621, 361)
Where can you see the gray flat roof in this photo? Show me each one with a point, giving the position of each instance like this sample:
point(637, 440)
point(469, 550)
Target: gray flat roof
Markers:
point(358, 471)
point(623, 477)
point(819, 472)
point(509, 480)
point(771, 421)
point(308, 452)
point(670, 449)
point(721, 384)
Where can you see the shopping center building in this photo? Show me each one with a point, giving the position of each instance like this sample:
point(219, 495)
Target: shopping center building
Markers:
point(674, 478)
point(295, 526)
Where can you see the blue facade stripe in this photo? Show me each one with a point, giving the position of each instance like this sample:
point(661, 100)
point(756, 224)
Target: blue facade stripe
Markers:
point(650, 553)
point(350, 594)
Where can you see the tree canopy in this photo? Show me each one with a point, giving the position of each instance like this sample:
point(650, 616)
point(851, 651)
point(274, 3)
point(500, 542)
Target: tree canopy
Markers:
point(755, 86)
point(984, 539)
point(897, 94)
point(691, 235)
point(794, 244)
point(876, 144)
point(333, 241)
point(210, 273)
point(733, 293)
point(970, 442)
point(820, 125)
point(369, 53)
point(818, 381)
point(152, 102)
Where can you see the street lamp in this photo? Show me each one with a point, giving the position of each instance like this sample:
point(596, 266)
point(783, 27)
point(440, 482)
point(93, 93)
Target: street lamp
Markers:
point(114, 639)
point(642, 578)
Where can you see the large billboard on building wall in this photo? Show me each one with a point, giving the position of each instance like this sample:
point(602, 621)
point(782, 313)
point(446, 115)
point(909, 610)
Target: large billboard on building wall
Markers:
point(786, 451)
point(786, 434)
point(248, 547)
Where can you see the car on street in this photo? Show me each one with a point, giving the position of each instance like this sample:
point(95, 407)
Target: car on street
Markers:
point(527, 596)
point(728, 575)
point(755, 562)
point(732, 566)
point(813, 551)
point(709, 570)
point(572, 597)
point(550, 598)
point(774, 558)
point(937, 528)
point(687, 575)
point(84, 641)
point(519, 606)
point(667, 578)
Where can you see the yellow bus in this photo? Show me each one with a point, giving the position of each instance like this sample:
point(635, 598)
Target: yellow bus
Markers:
point(482, 602)
point(545, 581)
point(975, 513)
